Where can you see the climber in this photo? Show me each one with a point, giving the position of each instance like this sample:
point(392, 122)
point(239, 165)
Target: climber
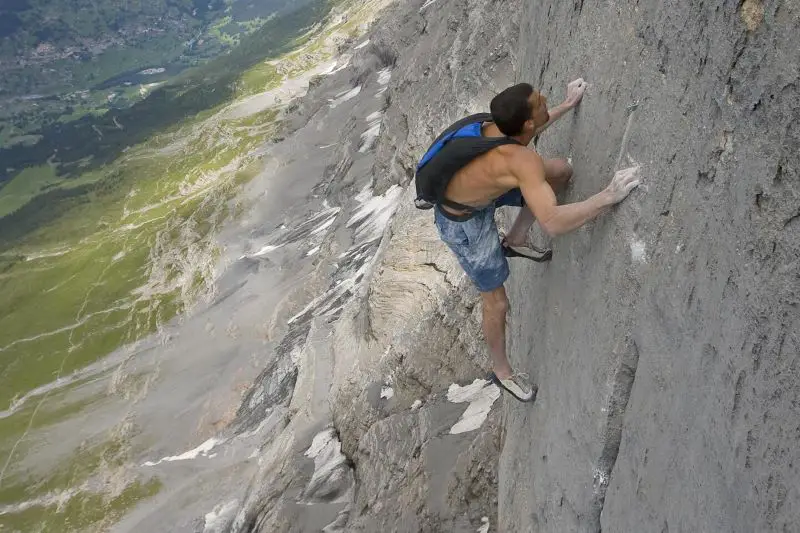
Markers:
point(482, 163)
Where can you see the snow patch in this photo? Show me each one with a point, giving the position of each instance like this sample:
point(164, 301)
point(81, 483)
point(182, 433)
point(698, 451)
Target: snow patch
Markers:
point(325, 225)
point(344, 96)
point(481, 395)
point(337, 66)
point(387, 393)
point(264, 250)
point(312, 251)
point(458, 394)
point(369, 137)
point(203, 450)
point(152, 71)
point(220, 517)
point(326, 450)
point(426, 4)
point(118, 256)
point(374, 212)
point(369, 220)
point(484, 525)
point(384, 76)
point(330, 296)
point(319, 442)
point(416, 405)
point(362, 45)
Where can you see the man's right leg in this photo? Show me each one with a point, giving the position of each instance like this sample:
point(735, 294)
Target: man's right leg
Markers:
point(495, 307)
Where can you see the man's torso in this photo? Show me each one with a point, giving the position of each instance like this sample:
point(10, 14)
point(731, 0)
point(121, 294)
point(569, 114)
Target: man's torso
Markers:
point(486, 177)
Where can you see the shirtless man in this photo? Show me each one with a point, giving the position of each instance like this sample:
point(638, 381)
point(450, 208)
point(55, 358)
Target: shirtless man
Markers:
point(515, 175)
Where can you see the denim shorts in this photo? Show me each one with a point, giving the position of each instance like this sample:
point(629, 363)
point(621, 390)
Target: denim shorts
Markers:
point(476, 242)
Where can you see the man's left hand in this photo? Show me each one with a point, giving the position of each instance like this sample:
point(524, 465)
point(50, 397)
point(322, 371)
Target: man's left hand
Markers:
point(575, 90)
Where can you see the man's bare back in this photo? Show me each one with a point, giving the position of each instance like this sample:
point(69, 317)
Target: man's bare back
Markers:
point(486, 177)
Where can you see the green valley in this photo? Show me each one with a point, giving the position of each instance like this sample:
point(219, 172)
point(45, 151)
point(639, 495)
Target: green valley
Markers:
point(107, 226)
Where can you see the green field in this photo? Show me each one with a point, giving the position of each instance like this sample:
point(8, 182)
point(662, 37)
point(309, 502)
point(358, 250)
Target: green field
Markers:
point(27, 184)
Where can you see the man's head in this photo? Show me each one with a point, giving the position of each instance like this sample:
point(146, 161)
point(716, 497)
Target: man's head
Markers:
point(519, 110)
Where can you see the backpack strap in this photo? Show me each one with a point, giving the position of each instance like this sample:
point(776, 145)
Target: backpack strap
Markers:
point(455, 155)
point(435, 171)
point(466, 121)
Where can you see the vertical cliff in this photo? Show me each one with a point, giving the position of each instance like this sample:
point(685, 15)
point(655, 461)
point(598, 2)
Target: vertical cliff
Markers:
point(665, 335)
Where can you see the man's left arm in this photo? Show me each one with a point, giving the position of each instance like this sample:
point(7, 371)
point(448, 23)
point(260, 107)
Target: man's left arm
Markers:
point(575, 90)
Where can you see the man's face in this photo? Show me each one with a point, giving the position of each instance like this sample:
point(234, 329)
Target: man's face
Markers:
point(539, 116)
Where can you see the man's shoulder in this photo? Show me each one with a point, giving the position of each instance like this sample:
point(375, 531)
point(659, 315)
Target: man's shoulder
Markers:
point(517, 152)
point(521, 161)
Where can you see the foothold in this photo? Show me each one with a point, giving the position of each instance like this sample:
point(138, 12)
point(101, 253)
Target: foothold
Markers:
point(752, 14)
point(600, 477)
point(638, 251)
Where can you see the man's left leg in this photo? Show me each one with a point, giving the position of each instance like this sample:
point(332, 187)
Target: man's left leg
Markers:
point(474, 242)
point(558, 173)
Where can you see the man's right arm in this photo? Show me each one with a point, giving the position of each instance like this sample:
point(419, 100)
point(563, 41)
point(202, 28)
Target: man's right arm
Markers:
point(557, 219)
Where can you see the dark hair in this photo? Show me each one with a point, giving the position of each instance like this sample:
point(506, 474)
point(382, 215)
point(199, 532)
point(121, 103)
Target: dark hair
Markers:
point(511, 108)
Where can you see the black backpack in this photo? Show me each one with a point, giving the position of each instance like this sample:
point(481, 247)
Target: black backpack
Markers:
point(453, 149)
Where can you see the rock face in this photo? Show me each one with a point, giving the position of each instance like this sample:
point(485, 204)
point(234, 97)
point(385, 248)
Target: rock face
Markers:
point(414, 327)
point(663, 336)
point(666, 335)
point(381, 418)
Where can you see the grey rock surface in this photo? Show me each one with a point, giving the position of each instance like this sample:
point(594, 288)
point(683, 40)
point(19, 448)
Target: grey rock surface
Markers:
point(391, 324)
point(664, 336)
point(414, 325)
point(452, 57)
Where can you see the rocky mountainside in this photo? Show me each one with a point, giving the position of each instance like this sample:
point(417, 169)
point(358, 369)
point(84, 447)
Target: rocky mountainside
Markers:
point(663, 337)
point(387, 365)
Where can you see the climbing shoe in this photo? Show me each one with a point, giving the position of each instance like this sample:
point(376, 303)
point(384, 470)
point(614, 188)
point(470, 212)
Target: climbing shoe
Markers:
point(517, 385)
point(534, 253)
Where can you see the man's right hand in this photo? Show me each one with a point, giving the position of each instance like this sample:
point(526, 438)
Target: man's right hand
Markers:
point(623, 182)
point(575, 90)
